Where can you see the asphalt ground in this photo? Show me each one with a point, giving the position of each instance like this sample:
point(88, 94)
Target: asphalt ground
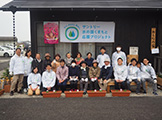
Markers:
point(112, 108)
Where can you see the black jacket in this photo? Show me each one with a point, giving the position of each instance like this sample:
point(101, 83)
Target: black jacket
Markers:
point(37, 64)
point(45, 63)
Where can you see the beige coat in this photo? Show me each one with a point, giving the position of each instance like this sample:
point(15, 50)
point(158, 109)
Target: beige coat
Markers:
point(55, 66)
point(94, 72)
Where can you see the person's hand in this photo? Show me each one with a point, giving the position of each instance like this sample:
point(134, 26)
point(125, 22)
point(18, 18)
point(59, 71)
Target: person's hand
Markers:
point(11, 73)
point(130, 80)
point(121, 80)
point(59, 81)
point(62, 80)
point(139, 79)
point(105, 81)
point(31, 87)
point(76, 77)
point(49, 88)
point(70, 77)
point(117, 80)
point(98, 80)
point(34, 89)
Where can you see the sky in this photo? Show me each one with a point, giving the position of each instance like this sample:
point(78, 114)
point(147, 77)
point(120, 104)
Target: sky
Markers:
point(22, 24)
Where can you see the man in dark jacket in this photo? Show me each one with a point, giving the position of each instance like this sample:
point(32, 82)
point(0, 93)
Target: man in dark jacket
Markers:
point(37, 62)
point(105, 75)
point(47, 61)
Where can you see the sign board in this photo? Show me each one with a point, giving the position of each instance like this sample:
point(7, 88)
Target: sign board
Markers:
point(51, 33)
point(133, 50)
point(77, 32)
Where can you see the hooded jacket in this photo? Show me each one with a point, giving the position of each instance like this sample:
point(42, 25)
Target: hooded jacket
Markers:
point(117, 55)
point(148, 72)
point(133, 72)
point(121, 72)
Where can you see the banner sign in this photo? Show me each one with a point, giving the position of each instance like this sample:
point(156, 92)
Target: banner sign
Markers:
point(51, 33)
point(87, 32)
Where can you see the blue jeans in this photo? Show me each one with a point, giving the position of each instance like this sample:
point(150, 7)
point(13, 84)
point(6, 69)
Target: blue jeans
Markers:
point(62, 85)
point(138, 85)
point(154, 85)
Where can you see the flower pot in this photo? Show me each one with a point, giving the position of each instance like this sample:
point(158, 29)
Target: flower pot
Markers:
point(52, 94)
point(73, 94)
point(7, 88)
point(92, 93)
point(123, 93)
point(1, 92)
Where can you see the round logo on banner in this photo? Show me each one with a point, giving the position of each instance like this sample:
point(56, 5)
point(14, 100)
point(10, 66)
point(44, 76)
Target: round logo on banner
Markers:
point(72, 33)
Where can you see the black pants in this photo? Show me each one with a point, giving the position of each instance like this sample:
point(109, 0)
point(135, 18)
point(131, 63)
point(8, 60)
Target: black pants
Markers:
point(73, 85)
point(45, 89)
point(122, 85)
point(94, 85)
point(25, 84)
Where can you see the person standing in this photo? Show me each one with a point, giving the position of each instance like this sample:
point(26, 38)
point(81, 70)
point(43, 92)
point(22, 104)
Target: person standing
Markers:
point(28, 68)
point(79, 58)
point(68, 59)
point(16, 68)
point(46, 61)
point(62, 75)
point(56, 62)
point(118, 54)
point(38, 62)
point(89, 59)
point(102, 57)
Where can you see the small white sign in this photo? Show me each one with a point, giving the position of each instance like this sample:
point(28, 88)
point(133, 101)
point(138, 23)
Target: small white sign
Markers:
point(155, 51)
point(133, 50)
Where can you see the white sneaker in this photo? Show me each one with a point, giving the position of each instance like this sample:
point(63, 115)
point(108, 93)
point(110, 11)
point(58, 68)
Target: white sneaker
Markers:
point(25, 90)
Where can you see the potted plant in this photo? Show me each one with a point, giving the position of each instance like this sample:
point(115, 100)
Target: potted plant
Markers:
point(120, 93)
point(73, 93)
point(6, 80)
point(1, 91)
point(95, 93)
point(51, 94)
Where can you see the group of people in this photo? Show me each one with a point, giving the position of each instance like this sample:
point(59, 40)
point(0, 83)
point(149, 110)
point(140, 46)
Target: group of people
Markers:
point(34, 76)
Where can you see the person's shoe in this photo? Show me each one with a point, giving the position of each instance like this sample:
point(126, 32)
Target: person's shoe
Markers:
point(20, 92)
point(11, 93)
point(144, 93)
point(84, 93)
point(155, 93)
point(25, 90)
point(138, 93)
